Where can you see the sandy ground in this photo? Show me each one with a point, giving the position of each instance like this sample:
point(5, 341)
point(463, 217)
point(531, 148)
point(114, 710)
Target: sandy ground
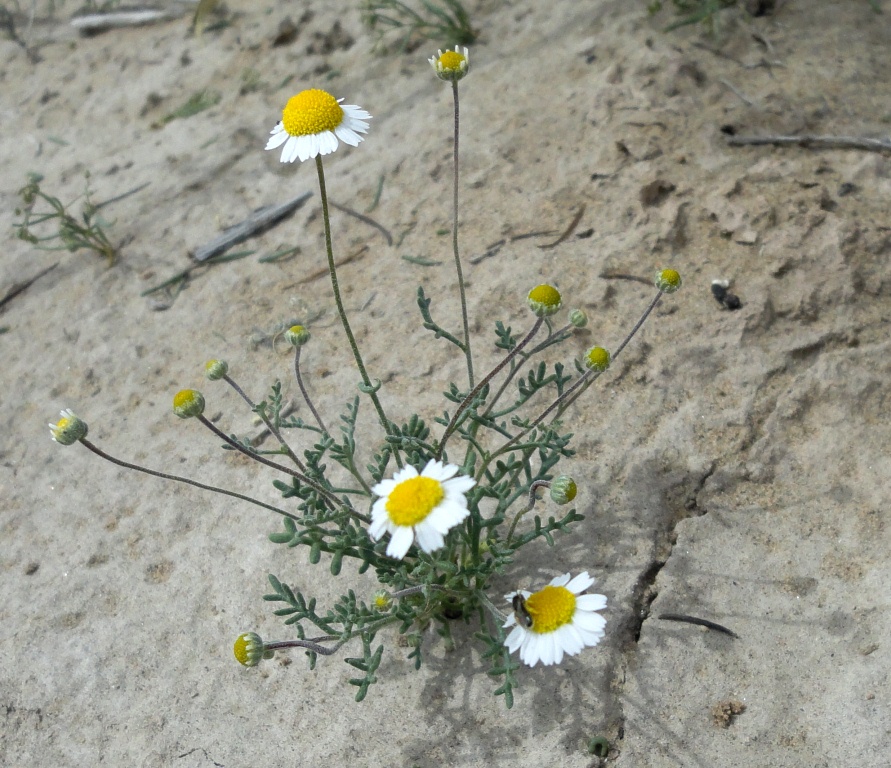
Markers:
point(733, 465)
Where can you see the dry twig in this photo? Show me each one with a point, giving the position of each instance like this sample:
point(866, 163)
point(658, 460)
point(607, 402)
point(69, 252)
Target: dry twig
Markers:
point(815, 142)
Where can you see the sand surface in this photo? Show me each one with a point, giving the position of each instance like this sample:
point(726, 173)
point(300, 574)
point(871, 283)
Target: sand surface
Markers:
point(733, 465)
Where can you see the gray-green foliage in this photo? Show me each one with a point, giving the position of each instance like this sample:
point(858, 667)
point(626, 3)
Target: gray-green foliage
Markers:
point(71, 233)
point(704, 11)
point(445, 22)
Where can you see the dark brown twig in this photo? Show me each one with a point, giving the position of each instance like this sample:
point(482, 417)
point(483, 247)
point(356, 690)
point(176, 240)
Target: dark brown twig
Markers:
point(814, 142)
point(363, 218)
point(698, 622)
point(18, 288)
point(568, 231)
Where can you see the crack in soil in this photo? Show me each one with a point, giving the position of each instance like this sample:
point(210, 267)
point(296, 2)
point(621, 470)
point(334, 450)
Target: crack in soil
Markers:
point(681, 503)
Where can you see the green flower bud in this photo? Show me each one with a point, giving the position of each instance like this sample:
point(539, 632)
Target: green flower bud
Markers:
point(667, 280)
point(597, 359)
point(297, 335)
point(578, 318)
point(563, 489)
point(250, 650)
point(216, 369)
point(451, 65)
point(69, 429)
point(188, 403)
point(544, 300)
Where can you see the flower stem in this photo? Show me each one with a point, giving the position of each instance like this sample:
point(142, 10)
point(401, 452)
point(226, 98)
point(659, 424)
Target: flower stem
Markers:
point(333, 501)
point(532, 499)
point(465, 403)
point(265, 419)
point(305, 393)
point(467, 351)
point(369, 388)
point(164, 476)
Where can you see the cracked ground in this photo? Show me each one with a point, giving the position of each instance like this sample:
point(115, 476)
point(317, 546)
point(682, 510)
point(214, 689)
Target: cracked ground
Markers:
point(733, 465)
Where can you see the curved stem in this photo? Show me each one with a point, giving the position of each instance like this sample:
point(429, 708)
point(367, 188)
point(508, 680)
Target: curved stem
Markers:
point(266, 421)
point(300, 384)
point(571, 394)
point(467, 351)
point(453, 424)
point(165, 476)
point(333, 501)
point(532, 499)
point(332, 271)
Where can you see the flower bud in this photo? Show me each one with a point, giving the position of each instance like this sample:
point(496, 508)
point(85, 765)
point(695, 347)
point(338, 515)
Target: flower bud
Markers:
point(249, 649)
point(597, 359)
point(216, 369)
point(297, 335)
point(188, 403)
point(69, 429)
point(563, 489)
point(451, 65)
point(578, 318)
point(667, 280)
point(544, 300)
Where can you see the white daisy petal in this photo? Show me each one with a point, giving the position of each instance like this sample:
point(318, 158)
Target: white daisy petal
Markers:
point(383, 488)
point(580, 583)
point(277, 139)
point(560, 581)
point(399, 543)
point(563, 622)
point(593, 622)
point(429, 539)
point(348, 136)
point(459, 485)
point(591, 602)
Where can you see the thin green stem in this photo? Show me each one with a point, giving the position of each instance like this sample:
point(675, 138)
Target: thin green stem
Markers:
point(532, 499)
point(571, 394)
point(165, 476)
point(465, 403)
point(369, 388)
point(458, 268)
point(333, 501)
point(269, 425)
point(300, 384)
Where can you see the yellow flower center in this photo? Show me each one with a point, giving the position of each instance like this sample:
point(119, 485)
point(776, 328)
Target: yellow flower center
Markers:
point(413, 499)
point(671, 277)
point(62, 424)
point(311, 112)
point(451, 60)
point(550, 608)
point(184, 398)
point(241, 649)
point(545, 294)
point(597, 359)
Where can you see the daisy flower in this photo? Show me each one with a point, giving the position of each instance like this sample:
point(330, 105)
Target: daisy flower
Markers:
point(69, 428)
point(419, 507)
point(555, 620)
point(312, 122)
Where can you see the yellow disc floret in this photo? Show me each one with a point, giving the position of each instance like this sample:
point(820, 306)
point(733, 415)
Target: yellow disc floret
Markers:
point(451, 60)
point(311, 112)
point(188, 403)
point(597, 359)
point(668, 280)
point(413, 499)
point(249, 649)
point(550, 608)
point(544, 300)
point(451, 65)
